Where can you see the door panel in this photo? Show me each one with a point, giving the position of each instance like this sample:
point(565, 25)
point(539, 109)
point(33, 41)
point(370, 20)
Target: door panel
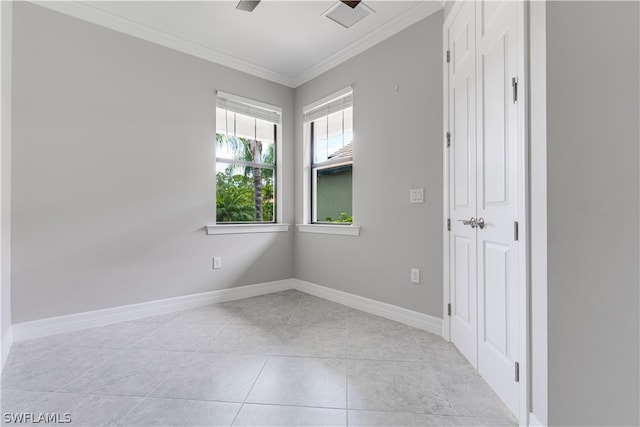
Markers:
point(463, 312)
point(462, 183)
point(497, 199)
point(496, 296)
point(463, 189)
point(462, 279)
point(495, 176)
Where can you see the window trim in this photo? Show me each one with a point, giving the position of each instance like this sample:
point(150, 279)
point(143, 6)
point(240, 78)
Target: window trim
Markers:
point(236, 228)
point(308, 226)
point(326, 228)
point(252, 227)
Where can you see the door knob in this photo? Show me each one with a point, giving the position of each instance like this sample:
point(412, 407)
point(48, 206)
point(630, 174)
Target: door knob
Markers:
point(471, 221)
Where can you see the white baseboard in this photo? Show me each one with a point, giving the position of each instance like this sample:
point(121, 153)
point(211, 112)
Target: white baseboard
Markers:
point(57, 325)
point(393, 312)
point(90, 319)
point(533, 421)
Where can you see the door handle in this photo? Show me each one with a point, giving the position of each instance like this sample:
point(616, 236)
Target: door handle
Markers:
point(471, 221)
point(474, 222)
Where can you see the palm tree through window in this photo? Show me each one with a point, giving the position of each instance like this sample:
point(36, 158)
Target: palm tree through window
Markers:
point(246, 144)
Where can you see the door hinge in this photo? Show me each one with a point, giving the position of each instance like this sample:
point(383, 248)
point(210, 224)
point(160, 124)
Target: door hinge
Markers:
point(448, 56)
point(514, 85)
point(515, 230)
point(449, 309)
point(517, 369)
point(448, 224)
point(448, 139)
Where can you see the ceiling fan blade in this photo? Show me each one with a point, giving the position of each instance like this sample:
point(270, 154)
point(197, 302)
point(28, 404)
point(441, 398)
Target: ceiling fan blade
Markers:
point(351, 4)
point(247, 5)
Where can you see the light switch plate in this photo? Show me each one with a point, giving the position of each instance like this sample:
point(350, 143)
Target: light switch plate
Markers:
point(416, 195)
point(415, 275)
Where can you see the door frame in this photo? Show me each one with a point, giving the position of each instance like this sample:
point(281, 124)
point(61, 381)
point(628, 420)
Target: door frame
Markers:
point(523, 202)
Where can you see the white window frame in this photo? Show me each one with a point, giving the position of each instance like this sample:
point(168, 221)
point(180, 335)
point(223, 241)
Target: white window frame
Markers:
point(308, 225)
point(278, 225)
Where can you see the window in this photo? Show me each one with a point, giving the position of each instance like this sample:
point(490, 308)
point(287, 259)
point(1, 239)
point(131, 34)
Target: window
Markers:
point(329, 127)
point(246, 160)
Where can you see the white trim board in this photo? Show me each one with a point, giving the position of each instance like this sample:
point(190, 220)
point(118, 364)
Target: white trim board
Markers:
point(108, 20)
point(73, 322)
point(392, 312)
point(344, 230)
point(246, 228)
point(89, 319)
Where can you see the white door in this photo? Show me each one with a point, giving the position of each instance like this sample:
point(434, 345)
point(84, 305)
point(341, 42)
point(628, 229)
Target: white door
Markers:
point(483, 184)
point(462, 182)
point(497, 197)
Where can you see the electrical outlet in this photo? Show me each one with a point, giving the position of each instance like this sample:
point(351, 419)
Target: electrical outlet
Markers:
point(415, 275)
point(217, 262)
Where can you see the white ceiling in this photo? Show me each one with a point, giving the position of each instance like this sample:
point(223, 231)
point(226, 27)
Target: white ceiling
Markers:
point(289, 42)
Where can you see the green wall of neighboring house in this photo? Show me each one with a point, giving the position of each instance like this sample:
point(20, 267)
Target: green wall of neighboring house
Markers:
point(334, 195)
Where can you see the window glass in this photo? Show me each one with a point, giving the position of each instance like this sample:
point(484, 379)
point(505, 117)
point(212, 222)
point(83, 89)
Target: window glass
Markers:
point(245, 168)
point(320, 148)
point(332, 167)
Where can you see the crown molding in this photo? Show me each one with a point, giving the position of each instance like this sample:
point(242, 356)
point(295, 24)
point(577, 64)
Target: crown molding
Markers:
point(401, 22)
point(108, 20)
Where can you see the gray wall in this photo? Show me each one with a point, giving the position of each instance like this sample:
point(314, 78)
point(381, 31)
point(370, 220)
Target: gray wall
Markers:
point(593, 210)
point(397, 146)
point(6, 14)
point(113, 171)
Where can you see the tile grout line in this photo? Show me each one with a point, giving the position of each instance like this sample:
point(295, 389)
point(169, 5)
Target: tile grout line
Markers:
point(217, 334)
point(116, 353)
point(133, 408)
point(256, 380)
point(250, 390)
point(415, 339)
point(432, 414)
point(235, 417)
point(346, 405)
point(148, 395)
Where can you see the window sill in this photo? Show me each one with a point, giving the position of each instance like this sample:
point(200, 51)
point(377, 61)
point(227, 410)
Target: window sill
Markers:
point(343, 230)
point(246, 228)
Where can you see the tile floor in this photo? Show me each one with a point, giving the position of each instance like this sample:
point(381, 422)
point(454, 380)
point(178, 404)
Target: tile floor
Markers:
point(283, 359)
